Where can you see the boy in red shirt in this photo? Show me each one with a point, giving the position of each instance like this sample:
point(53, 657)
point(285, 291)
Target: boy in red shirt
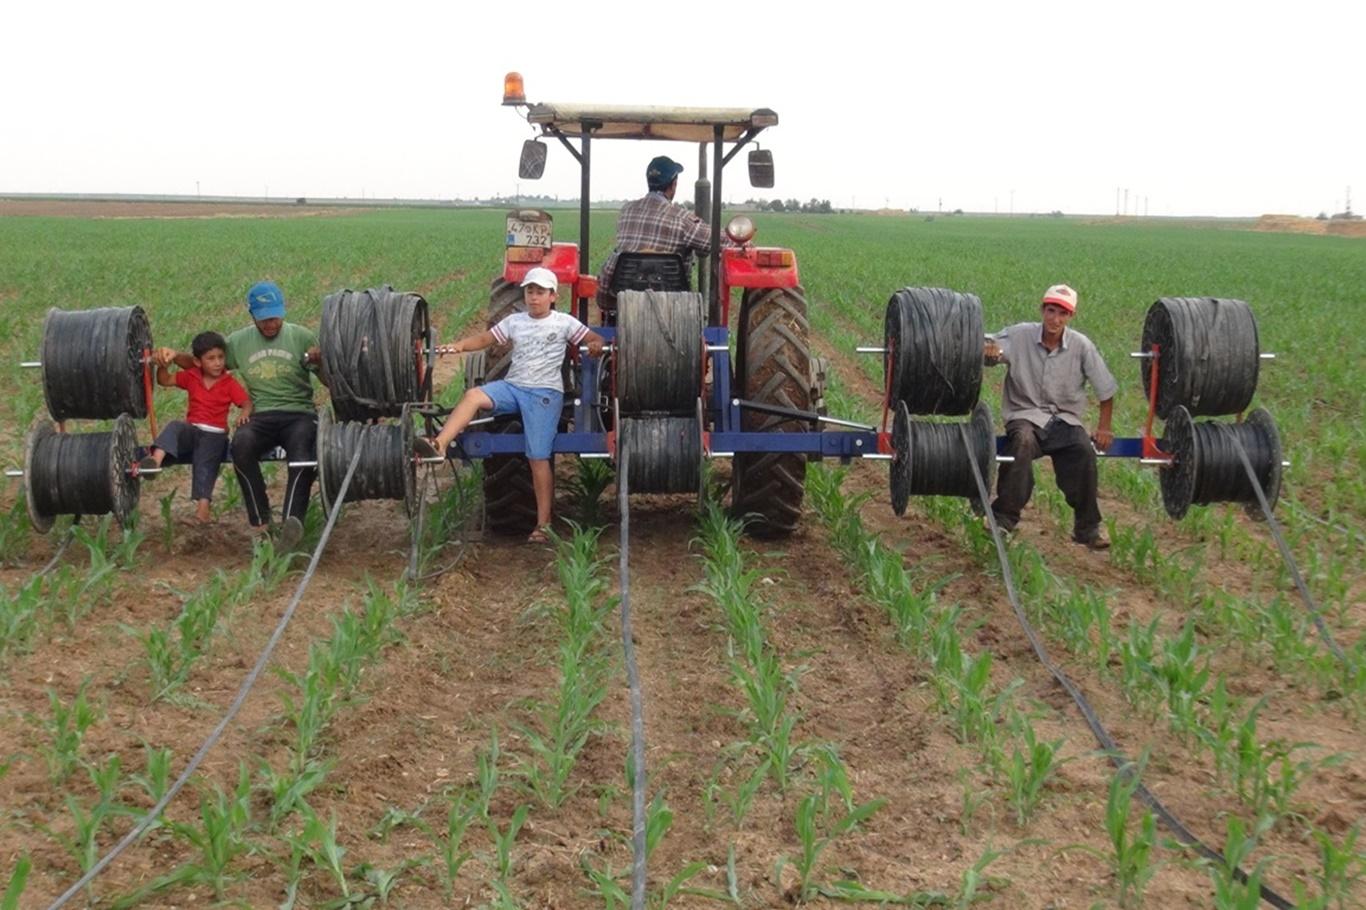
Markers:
point(202, 437)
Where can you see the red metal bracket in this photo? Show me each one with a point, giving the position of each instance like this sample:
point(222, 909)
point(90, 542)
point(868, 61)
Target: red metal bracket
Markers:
point(1150, 449)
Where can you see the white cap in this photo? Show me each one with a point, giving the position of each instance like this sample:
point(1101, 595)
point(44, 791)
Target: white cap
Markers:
point(542, 278)
point(1063, 296)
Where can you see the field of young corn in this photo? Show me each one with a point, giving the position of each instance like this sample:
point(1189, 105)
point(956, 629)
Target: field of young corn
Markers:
point(852, 715)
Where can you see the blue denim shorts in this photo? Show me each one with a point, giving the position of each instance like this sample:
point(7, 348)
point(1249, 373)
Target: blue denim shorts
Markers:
point(540, 411)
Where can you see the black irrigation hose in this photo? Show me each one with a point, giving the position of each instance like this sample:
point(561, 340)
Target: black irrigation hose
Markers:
point(92, 363)
point(1209, 355)
point(668, 453)
point(80, 473)
point(386, 469)
point(930, 459)
point(633, 680)
point(155, 812)
point(370, 344)
point(933, 337)
point(659, 354)
point(1103, 737)
point(1262, 501)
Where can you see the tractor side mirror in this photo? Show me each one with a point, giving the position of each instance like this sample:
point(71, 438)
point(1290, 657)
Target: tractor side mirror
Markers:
point(761, 168)
point(532, 165)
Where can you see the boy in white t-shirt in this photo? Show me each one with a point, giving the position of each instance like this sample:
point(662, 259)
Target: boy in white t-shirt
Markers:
point(533, 387)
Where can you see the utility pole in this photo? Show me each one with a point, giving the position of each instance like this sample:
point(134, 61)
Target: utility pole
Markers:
point(1126, 200)
point(1012, 202)
point(1116, 202)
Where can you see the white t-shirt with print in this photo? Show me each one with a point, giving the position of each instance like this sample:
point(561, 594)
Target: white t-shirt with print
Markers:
point(538, 347)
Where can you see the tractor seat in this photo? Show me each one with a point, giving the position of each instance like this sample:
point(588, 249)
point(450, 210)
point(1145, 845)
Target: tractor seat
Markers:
point(650, 272)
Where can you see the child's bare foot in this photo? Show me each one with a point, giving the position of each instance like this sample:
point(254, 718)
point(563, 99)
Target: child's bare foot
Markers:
point(203, 516)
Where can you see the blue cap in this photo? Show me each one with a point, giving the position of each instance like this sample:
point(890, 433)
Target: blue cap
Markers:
point(266, 301)
point(661, 172)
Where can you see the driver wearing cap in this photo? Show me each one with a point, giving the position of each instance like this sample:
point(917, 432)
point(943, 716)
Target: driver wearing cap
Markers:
point(653, 224)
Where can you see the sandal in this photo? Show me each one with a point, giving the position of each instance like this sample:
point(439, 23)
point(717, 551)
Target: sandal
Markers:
point(539, 535)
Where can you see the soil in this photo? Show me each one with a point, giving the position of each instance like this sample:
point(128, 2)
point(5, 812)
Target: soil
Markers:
point(480, 653)
point(1294, 224)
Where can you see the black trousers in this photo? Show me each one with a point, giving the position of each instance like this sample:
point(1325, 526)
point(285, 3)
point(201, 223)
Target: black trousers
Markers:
point(187, 442)
point(1074, 464)
point(294, 431)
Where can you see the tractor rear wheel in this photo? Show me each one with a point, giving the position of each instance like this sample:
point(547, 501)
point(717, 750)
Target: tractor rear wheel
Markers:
point(773, 359)
point(509, 498)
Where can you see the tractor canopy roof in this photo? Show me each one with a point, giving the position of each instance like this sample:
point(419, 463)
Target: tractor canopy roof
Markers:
point(685, 124)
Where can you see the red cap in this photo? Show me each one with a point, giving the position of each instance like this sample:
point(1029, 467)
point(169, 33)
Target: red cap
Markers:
point(1063, 296)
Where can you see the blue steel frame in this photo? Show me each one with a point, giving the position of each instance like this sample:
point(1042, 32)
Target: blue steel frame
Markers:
point(722, 420)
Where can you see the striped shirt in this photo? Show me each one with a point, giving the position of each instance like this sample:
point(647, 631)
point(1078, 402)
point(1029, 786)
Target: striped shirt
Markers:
point(1043, 384)
point(538, 347)
point(653, 224)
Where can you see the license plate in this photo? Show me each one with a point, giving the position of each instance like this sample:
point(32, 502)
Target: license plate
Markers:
point(524, 232)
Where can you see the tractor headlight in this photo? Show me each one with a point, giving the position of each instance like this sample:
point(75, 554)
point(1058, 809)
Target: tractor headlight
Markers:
point(740, 229)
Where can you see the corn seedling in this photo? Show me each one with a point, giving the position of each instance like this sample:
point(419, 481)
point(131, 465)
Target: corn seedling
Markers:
point(564, 726)
point(1028, 770)
point(1341, 867)
point(459, 814)
point(1131, 859)
point(15, 534)
point(317, 842)
point(819, 821)
point(167, 521)
point(504, 838)
point(1231, 893)
point(19, 616)
point(287, 792)
point(66, 727)
point(18, 880)
point(586, 488)
point(396, 817)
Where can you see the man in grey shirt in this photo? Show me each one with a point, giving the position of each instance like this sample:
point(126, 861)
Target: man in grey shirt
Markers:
point(1048, 365)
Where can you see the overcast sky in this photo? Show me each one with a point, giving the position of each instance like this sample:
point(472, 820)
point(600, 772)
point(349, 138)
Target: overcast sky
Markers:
point(1196, 107)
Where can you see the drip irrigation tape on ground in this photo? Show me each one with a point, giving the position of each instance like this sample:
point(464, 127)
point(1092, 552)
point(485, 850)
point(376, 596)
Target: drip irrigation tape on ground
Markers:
point(247, 684)
point(372, 351)
point(638, 877)
point(1208, 355)
point(934, 339)
point(93, 363)
point(659, 357)
point(1098, 730)
point(1265, 502)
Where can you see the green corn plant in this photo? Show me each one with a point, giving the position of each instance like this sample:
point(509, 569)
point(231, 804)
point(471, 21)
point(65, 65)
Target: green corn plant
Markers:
point(1029, 770)
point(288, 792)
point(1229, 892)
point(564, 725)
point(156, 775)
point(1182, 674)
point(19, 616)
point(167, 521)
point(819, 822)
point(486, 763)
point(396, 817)
point(16, 532)
point(1131, 858)
point(18, 880)
point(66, 727)
point(319, 844)
point(459, 814)
point(586, 488)
point(381, 882)
point(974, 879)
point(1341, 867)
point(504, 838)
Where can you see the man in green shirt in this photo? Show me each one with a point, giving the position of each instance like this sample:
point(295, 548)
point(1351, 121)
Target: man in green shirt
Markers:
point(273, 359)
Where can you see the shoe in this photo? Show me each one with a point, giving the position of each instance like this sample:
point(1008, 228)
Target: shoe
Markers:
point(1097, 541)
point(1007, 529)
point(424, 448)
point(291, 532)
point(148, 463)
